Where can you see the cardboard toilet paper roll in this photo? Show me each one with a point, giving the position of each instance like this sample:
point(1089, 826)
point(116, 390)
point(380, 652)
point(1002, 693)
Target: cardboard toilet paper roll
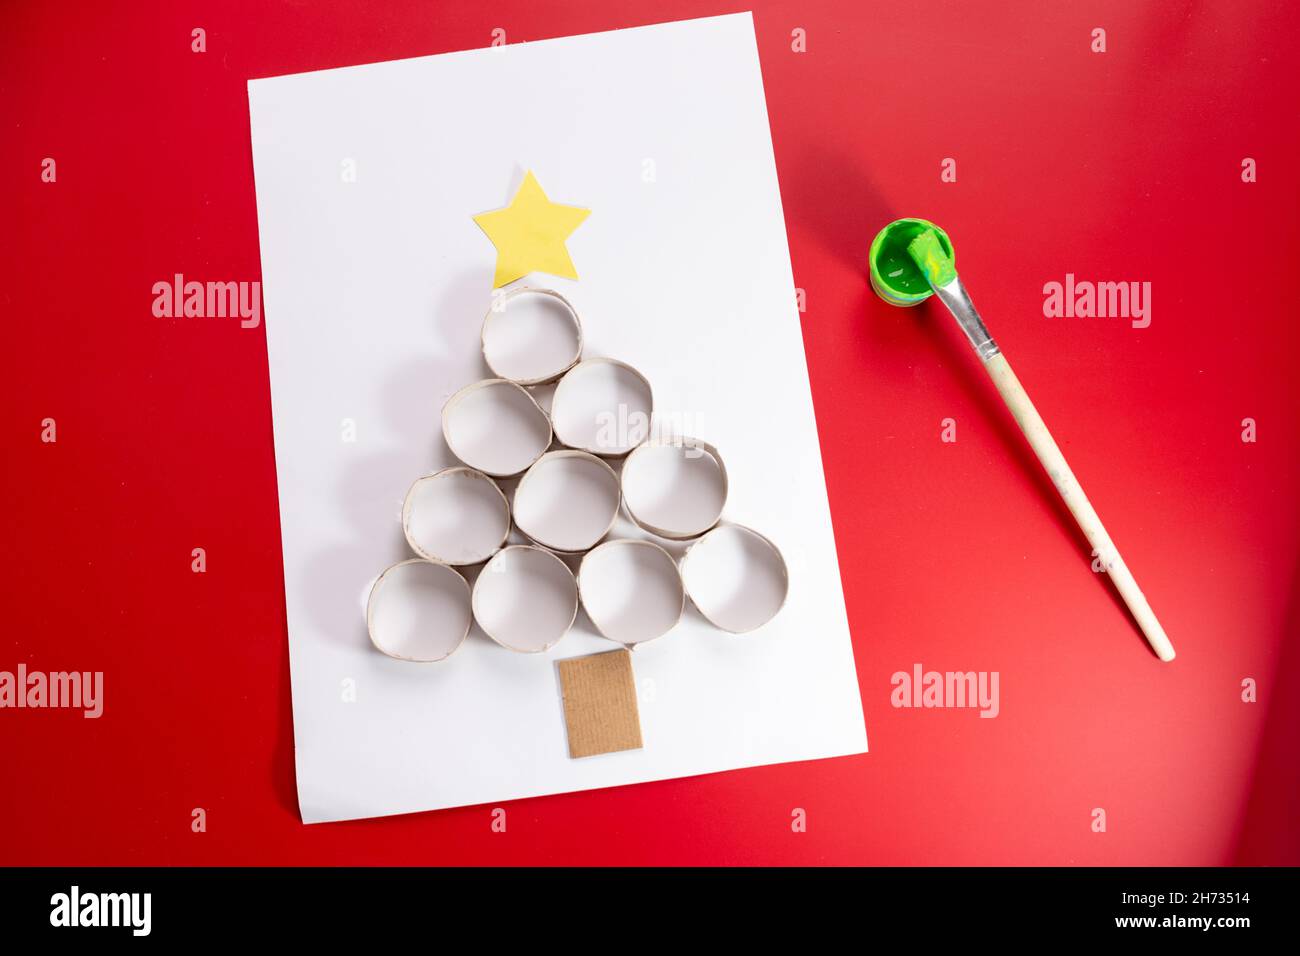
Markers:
point(496, 427)
point(531, 336)
point(632, 590)
point(418, 611)
point(736, 578)
point(567, 501)
point(525, 598)
point(674, 488)
point(457, 516)
point(602, 406)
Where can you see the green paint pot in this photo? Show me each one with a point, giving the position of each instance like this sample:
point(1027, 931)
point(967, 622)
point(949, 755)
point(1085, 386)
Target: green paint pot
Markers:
point(894, 276)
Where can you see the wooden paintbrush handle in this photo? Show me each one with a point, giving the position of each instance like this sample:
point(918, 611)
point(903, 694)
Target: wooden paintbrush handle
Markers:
point(1040, 439)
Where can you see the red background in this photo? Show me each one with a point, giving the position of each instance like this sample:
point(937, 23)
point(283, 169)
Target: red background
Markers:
point(1117, 166)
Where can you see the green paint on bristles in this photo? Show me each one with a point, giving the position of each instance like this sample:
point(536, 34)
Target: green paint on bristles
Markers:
point(930, 257)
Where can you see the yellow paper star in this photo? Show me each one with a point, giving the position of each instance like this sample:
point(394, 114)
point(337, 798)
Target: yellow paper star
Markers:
point(529, 234)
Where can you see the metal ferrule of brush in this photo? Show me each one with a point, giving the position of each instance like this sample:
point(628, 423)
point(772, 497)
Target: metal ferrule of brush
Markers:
point(955, 297)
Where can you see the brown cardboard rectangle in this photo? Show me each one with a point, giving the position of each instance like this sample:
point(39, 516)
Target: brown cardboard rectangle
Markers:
point(600, 710)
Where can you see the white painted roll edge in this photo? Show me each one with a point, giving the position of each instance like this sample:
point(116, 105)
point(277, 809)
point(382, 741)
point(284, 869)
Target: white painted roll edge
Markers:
point(1040, 439)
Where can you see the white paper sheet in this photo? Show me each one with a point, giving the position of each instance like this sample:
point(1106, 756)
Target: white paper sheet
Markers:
point(375, 291)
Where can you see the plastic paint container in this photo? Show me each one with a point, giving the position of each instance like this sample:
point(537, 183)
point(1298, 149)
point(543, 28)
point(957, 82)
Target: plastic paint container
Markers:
point(894, 275)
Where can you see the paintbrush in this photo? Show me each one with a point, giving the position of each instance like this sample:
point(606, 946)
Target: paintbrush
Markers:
point(910, 258)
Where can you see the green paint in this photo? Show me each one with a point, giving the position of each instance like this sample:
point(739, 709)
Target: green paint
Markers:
point(895, 275)
point(927, 253)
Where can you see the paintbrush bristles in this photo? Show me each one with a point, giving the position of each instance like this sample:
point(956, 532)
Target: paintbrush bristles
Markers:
point(928, 254)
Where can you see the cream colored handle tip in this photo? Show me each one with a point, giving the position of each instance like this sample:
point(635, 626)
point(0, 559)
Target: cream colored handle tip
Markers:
point(1040, 439)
